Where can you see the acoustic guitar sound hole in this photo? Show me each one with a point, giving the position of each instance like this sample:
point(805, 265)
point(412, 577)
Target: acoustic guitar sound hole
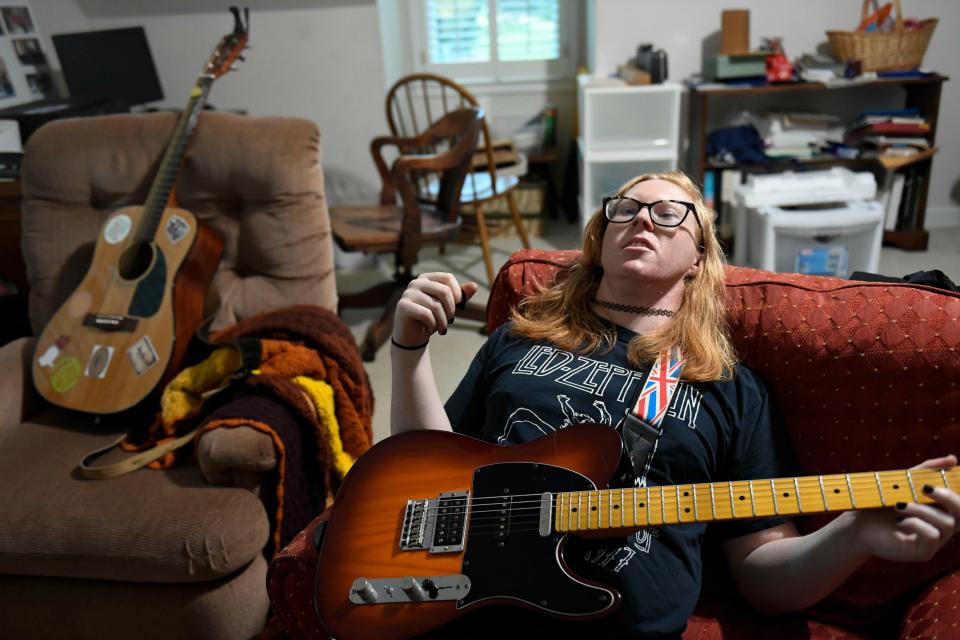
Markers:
point(135, 261)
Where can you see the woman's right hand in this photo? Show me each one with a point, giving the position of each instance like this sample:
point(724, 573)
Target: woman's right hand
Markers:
point(428, 305)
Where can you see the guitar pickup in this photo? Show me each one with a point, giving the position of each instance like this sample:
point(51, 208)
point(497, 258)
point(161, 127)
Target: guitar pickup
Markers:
point(110, 322)
point(438, 525)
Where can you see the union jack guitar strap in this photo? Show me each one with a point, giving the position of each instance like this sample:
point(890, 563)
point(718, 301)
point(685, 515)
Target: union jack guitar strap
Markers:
point(644, 416)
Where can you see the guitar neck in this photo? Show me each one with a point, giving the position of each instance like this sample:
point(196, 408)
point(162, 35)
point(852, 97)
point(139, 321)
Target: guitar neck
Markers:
point(159, 195)
point(612, 510)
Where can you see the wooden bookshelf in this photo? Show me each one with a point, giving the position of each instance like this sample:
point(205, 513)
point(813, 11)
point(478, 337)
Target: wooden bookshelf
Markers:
point(922, 93)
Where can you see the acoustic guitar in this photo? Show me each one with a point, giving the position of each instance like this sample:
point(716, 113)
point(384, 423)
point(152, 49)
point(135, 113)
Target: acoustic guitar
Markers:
point(429, 525)
point(124, 331)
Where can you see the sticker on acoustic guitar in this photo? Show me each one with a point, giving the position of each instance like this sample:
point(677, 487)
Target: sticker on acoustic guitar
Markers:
point(117, 229)
point(142, 355)
point(49, 356)
point(99, 361)
point(176, 229)
point(65, 375)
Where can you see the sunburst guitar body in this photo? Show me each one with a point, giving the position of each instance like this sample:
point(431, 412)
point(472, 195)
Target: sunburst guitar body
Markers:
point(120, 334)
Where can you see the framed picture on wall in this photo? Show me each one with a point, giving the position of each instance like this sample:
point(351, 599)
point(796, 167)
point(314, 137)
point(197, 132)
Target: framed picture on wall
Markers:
point(39, 84)
point(28, 51)
point(24, 73)
point(6, 87)
point(17, 21)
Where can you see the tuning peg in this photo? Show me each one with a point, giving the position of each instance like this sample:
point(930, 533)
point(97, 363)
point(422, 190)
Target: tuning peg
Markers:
point(241, 59)
point(234, 67)
point(248, 46)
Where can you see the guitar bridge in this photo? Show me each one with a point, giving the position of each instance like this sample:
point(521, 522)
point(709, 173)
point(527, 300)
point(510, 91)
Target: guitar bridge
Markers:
point(437, 525)
point(110, 322)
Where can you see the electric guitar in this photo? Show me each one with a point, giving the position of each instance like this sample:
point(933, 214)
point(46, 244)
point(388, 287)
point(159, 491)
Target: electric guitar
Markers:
point(431, 525)
point(124, 331)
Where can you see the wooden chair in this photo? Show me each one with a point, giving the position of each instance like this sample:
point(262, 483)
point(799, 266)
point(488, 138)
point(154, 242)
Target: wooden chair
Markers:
point(414, 103)
point(404, 228)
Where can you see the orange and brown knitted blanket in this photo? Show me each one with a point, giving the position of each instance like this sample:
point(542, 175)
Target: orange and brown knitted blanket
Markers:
point(309, 393)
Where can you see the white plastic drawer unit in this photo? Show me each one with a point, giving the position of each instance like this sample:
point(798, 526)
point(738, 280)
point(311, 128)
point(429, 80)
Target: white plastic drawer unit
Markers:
point(630, 117)
point(828, 241)
point(604, 178)
point(625, 131)
point(817, 201)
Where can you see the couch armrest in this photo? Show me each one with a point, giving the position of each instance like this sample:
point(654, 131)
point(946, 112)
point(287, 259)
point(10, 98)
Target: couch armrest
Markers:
point(236, 456)
point(935, 613)
point(290, 582)
point(18, 398)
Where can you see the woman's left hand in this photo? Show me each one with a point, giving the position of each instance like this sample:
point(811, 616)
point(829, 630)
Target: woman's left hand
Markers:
point(916, 531)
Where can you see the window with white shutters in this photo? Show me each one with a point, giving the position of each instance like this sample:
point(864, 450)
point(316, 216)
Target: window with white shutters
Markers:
point(495, 39)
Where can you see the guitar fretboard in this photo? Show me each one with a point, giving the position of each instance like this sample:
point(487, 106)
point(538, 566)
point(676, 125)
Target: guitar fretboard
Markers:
point(584, 511)
point(159, 195)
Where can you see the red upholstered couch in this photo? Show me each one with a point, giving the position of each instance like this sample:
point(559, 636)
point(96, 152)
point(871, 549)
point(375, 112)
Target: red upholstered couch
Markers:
point(866, 376)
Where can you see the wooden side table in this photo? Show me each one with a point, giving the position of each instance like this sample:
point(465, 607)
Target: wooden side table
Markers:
point(541, 164)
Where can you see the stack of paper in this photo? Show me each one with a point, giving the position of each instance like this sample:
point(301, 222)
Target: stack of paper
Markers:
point(796, 134)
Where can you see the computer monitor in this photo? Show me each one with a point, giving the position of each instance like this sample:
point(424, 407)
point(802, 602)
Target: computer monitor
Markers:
point(113, 65)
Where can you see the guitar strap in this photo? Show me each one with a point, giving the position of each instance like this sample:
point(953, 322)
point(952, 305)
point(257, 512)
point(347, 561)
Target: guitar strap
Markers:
point(249, 350)
point(642, 423)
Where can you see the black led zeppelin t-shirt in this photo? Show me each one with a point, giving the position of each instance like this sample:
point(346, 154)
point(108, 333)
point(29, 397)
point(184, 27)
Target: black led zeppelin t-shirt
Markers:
point(517, 390)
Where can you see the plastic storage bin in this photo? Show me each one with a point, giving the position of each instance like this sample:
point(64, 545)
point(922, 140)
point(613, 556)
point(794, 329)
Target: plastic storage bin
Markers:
point(834, 241)
point(836, 203)
point(625, 130)
point(621, 117)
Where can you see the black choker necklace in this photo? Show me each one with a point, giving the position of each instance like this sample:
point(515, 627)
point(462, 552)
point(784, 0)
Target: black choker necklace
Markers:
point(626, 308)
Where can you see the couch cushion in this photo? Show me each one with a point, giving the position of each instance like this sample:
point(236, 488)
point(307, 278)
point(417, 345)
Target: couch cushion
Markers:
point(55, 608)
point(56, 523)
point(257, 181)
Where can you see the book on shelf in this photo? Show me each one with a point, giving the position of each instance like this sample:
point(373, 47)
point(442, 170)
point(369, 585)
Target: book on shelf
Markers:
point(906, 112)
point(889, 141)
point(893, 128)
point(893, 201)
point(908, 209)
point(780, 152)
point(867, 120)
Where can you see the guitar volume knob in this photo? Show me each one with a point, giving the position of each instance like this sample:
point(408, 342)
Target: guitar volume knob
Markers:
point(363, 588)
point(412, 588)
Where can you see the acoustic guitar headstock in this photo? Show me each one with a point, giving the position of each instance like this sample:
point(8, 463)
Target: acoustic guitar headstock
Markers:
point(230, 47)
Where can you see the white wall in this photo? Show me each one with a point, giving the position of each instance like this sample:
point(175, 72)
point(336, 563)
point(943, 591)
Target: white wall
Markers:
point(322, 60)
point(681, 27)
point(319, 60)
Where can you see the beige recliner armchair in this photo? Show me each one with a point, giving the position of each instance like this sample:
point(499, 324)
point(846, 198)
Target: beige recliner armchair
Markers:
point(162, 554)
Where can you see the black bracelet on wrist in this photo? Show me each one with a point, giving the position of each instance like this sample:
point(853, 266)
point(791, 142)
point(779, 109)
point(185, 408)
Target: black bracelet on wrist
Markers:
point(415, 347)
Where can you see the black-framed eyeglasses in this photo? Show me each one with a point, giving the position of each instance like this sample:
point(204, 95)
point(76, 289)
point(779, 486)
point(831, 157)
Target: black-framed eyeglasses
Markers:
point(663, 213)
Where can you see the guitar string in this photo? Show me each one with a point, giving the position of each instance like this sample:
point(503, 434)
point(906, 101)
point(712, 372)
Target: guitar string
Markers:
point(807, 483)
point(758, 502)
point(784, 483)
point(522, 523)
point(516, 515)
point(763, 508)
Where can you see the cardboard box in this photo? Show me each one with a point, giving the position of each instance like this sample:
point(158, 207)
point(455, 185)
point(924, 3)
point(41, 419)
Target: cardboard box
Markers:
point(735, 31)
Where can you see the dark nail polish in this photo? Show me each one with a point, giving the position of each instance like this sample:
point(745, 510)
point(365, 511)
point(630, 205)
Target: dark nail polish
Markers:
point(927, 489)
point(443, 332)
point(901, 506)
point(463, 302)
point(450, 320)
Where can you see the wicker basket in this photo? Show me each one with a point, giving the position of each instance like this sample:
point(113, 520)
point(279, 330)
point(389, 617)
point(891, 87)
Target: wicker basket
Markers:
point(876, 51)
